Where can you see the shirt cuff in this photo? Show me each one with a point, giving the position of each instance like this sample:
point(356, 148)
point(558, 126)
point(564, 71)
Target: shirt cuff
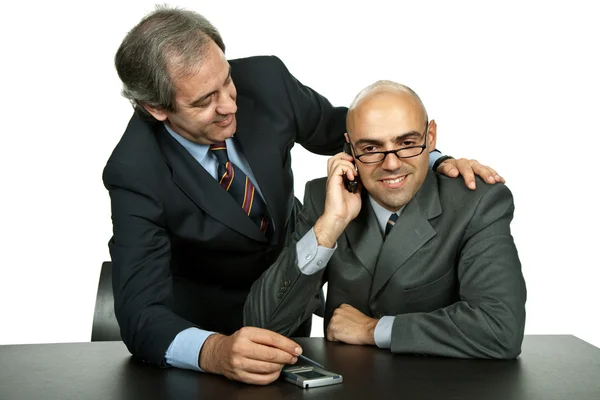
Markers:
point(311, 257)
point(184, 350)
point(383, 332)
point(433, 156)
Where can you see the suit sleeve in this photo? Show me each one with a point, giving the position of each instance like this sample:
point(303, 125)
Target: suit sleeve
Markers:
point(283, 297)
point(489, 319)
point(320, 127)
point(140, 251)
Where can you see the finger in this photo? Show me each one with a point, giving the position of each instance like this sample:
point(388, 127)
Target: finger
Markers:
point(273, 339)
point(339, 156)
point(343, 167)
point(447, 168)
point(350, 316)
point(496, 176)
point(465, 169)
point(255, 366)
point(330, 331)
point(329, 165)
point(256, 379)
point(330, 334)
point(483, 171)
point(270, 354)
point(346, 157)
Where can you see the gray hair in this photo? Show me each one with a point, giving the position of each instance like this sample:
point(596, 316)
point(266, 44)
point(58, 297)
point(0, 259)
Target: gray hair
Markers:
point(167, 43)
point(385, 84)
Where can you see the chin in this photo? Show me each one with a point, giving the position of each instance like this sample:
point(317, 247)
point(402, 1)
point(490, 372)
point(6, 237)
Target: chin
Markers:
point(229, 131)
point(397, 201)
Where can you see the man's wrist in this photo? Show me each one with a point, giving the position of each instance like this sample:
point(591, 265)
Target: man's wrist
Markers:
point(209, 357)
point(328, 230)
point(370, 331)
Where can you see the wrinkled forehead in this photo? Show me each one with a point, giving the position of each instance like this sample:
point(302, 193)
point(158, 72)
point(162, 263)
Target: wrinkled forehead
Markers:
point(386, 112)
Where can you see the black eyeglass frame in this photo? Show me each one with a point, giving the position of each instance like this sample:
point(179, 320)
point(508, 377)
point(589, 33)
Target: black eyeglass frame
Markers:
point(396, 151)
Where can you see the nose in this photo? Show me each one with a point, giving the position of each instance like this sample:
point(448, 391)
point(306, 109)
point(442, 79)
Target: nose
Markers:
point(226, 104)
point(391, 162)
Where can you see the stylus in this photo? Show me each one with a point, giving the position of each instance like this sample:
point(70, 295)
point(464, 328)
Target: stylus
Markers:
point(310, 361)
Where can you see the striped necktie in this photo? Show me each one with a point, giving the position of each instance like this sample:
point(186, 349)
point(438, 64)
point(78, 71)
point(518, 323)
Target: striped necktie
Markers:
point(390, 223)
point(233, 179)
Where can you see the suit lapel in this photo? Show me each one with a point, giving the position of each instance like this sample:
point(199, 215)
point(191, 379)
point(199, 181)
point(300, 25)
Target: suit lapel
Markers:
point(203, 189)
point(365, 236)
point(259, 146)
point(411, 232)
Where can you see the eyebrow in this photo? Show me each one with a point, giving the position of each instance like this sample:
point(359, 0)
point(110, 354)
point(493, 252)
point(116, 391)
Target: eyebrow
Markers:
point(200, 99)
point(399, 138)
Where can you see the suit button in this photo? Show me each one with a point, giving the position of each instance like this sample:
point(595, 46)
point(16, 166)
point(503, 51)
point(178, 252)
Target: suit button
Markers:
point(287, 282)
point(308, 256)
point(283, 289)
point(279, 295)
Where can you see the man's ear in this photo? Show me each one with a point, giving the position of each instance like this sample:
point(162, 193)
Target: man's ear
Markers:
point(432, 135)
point(156, 112)
point(347, 137)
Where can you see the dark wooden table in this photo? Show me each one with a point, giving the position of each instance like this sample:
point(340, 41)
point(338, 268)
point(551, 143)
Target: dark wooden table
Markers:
point(550, 367)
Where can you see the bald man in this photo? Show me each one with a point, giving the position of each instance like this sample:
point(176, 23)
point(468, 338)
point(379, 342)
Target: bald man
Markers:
point(415, 262)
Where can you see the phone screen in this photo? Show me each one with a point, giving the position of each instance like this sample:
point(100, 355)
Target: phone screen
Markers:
point(309, 374)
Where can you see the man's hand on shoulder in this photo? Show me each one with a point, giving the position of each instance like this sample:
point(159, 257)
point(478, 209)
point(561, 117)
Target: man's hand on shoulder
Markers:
point(250, 355)
point(468, 169)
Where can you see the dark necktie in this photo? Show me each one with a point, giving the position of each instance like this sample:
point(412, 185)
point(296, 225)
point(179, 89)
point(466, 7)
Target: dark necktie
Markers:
point(391, 222)
point(233, 179)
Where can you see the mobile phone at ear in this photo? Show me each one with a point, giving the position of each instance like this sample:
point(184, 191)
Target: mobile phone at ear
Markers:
point(351, 186)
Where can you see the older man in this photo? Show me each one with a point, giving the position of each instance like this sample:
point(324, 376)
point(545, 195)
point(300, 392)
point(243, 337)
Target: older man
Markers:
point(414, 261)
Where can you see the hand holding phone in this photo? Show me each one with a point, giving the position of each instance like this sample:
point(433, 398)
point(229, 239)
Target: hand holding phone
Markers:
point(351, 185)
point(342, 200)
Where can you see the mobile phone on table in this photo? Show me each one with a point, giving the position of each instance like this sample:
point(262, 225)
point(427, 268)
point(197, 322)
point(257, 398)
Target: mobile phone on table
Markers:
point(310, 376)
point(351, 185)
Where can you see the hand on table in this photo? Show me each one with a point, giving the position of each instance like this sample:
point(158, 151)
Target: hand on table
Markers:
point(250, 355)
point(351, 326)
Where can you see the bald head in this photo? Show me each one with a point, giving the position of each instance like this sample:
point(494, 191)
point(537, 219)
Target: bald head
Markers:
point(389, 132)
point(381, 98)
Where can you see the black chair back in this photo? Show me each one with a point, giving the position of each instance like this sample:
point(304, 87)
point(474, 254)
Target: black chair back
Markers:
point(105, 327)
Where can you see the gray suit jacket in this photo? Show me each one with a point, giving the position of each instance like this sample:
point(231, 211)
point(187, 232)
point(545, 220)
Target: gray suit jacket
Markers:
point(449, 271)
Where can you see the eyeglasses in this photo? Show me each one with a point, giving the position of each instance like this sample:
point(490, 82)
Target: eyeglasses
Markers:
point(403, 152)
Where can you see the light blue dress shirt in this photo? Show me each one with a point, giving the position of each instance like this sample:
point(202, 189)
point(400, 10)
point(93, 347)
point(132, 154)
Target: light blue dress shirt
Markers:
point(185, 349)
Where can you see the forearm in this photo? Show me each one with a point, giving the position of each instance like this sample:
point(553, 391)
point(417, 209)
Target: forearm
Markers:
point(489, 319)
point(147, 330)
point(287, 293)
point(461, 330)
point(283, 297)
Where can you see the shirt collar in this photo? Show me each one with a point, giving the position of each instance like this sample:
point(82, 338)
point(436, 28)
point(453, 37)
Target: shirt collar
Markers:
point(382, 214)
point(198, 151)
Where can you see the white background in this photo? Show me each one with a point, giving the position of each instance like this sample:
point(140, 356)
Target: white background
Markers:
point(514, 85)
